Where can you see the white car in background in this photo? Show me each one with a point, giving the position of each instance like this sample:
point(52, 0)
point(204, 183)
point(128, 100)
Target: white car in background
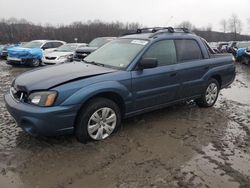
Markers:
point(50, 46)
point(62, 54)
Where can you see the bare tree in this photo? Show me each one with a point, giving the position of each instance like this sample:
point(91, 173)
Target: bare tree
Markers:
point(235, 25)
point(186, 24)
point(209, 27)
point(19, 30)
point(223, 24)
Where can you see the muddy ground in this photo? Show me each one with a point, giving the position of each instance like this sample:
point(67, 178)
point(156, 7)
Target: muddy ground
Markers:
point(180, 146)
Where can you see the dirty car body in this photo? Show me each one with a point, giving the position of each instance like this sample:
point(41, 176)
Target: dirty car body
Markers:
point(121, 79)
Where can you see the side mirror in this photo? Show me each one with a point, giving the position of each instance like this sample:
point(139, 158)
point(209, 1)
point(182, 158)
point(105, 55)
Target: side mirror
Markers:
point(148, 63)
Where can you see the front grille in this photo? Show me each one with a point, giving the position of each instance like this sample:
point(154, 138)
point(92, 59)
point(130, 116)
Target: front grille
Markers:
point(18, 95)
point(50, 58)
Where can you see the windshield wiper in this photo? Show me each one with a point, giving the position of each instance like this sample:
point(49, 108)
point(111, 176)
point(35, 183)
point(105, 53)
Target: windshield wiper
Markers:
point(94, 63)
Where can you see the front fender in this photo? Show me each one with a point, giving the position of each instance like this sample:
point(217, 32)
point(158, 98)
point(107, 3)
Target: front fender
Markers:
point(82, 95)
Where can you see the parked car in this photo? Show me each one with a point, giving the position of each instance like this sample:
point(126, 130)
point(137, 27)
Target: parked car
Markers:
point(81, 53)
point(240, 50)
point(231, 46)
point(4, 50)
point(221, 46)
point(224, 48)
point(133, 74)
point(62, 54)
point(246, 57)
point(1, 49)
point(213, 45)
point(31, 53)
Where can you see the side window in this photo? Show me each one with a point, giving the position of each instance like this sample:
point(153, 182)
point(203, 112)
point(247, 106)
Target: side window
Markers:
point(188, 50)
point(163, 51)
point(57, 44)
point(47, 45)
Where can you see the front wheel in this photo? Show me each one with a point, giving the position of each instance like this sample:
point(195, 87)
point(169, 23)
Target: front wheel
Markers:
point(97, 120)
point(210, 94)
point(35, 63)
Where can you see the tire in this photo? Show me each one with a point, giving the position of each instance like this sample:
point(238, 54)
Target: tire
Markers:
point(92, 121)
point(35, 63)
point(209, 99)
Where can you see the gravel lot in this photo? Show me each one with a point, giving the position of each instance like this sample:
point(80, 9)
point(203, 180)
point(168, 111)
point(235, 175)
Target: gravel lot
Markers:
point(180, 146)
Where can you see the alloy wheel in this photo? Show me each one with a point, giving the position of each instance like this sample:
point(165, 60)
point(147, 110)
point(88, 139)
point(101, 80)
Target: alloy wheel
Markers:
point(102, 123)
point(211, 93)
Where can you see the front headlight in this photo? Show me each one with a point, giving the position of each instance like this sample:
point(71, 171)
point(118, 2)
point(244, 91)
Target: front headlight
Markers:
point(62, 57)
point(43, 98)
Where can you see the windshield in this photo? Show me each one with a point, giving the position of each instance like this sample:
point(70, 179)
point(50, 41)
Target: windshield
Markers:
point(66, 48)
point(32, 44)
point(118, 53)
point(99, 42)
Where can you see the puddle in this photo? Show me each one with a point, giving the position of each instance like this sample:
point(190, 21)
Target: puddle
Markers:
point(221, 163)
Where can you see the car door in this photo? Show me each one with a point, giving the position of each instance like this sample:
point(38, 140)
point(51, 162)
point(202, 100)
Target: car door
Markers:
point(192, 67)
point(159, 85)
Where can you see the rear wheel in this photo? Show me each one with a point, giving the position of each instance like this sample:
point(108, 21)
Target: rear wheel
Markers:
point(210, 94)
point(97, 120)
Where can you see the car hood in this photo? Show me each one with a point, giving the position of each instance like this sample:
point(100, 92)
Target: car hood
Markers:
point(86, 49)
point(49, 77)
point(25, 53)
point(58, 54)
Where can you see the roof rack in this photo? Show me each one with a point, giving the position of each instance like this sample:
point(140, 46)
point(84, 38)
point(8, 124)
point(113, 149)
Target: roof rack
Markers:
point(158, 30)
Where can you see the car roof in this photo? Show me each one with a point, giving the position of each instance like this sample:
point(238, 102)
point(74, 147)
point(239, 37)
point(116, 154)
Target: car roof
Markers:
point(151, 36)
point(43, 41)
point(106, 37)
point(78, 44)
point(153, 33)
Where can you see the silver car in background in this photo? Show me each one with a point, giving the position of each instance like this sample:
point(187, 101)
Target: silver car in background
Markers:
point(62, 54)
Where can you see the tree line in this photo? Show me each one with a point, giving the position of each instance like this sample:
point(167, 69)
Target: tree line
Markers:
point(20, 30)
point(15, 30)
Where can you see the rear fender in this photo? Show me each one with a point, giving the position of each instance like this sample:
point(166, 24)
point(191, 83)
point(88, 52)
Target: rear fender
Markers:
point(226, 73)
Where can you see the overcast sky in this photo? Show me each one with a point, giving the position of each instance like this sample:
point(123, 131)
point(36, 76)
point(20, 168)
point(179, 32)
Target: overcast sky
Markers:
point(147, 12)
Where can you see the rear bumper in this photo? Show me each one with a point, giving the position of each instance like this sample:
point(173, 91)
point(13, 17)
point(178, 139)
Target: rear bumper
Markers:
point(44, 121)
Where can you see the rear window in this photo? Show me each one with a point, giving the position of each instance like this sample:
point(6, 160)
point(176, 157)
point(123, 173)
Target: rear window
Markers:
point(57, 44)
point(187, 50)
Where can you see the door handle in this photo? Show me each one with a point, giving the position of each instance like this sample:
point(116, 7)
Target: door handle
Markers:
point(173, 74)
